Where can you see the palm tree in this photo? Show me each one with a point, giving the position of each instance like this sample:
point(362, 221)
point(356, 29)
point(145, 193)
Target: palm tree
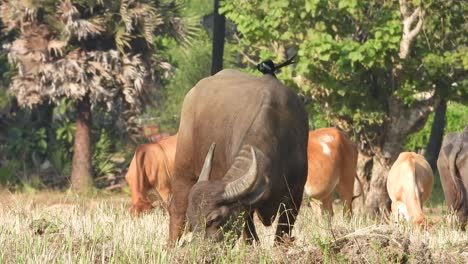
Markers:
point(90, 51)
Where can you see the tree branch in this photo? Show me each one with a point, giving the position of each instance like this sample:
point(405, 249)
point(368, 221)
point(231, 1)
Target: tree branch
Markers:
point(404, 8)
point(413, 33)
point(413, 16)
point(248, 58)
point(408, 33)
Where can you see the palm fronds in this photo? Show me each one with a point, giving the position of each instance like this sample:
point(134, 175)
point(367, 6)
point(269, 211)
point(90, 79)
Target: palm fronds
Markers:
point(76, 48)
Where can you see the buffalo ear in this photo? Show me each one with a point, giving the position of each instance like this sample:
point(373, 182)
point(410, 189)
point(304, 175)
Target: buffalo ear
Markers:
point(256, 195)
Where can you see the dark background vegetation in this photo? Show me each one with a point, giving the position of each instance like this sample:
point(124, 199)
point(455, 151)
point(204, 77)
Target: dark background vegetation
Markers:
point(37, 144)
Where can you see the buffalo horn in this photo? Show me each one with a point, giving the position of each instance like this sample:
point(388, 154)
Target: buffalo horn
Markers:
point(205, 172)
point(240, 187)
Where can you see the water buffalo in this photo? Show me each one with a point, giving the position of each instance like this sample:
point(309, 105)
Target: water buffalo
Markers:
point(409, 185)
point(242, 148)
point(453, 169)
point(332, 165)
point(152, 166)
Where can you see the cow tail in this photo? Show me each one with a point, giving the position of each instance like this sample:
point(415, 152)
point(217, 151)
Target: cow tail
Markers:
point(414, 207)
point(355, 161)
point(361, 192)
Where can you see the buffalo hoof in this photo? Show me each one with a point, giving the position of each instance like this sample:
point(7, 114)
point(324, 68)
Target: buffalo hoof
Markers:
point(284, 240)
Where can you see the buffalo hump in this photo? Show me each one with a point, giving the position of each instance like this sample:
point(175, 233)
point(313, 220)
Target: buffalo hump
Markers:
point(259, 162)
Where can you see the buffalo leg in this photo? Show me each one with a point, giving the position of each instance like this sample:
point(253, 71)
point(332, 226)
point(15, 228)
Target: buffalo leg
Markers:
point(250, 234)
point(178, 207)
point(287, 218)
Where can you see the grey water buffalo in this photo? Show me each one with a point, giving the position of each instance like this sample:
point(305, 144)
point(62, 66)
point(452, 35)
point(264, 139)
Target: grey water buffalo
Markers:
point(332, 161)
point(453, 170)
point(409, 185)
point(242, 148)
point(152, 167)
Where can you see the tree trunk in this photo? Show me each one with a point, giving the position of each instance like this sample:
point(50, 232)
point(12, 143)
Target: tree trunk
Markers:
point(377, 199)
point(373, 170)
point(81, 177)
point(437, 134)
point(219, 22)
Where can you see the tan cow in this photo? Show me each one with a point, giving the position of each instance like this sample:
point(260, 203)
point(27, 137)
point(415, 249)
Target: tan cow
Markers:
point(152, 167)
point(332, 160)
point(409, 185)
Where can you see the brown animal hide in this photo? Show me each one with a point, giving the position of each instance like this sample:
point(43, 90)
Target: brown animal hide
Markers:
point(151, 167)
point(453, 170)
point(332, 161)
point(258, 163)
point(409, 185)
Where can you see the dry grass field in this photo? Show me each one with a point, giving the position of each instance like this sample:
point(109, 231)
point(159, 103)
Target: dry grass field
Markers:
point(51, 227)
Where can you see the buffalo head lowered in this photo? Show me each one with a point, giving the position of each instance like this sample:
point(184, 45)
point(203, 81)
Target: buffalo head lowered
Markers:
point(215, 207)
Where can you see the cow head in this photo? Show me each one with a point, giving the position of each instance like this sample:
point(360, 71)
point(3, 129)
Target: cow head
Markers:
point(216, 207)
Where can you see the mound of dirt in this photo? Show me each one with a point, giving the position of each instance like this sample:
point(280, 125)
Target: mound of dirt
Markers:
point(381, 244)
point(43, 226)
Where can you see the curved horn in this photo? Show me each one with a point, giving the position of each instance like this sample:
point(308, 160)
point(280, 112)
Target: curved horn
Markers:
point(205, 172)
point(242, 186)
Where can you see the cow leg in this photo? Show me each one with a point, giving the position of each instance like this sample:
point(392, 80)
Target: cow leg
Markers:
point(140, 201)
point(164, 195)
point(393, 208)
point(250, 234)
point(327, 206)
point(345, 189)
point(413, 210)
point(462, 218)
point(316, 208)
point(178, 206)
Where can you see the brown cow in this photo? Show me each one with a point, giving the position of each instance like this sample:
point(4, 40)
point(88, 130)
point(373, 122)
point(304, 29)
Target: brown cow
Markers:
point(259, 164)
point(409, 185)
point(332, 165)
point(152, 166)
point(453, 169)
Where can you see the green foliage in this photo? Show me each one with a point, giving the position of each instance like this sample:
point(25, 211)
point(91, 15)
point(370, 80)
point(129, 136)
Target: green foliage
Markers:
point(22, 141)
point(190, 67)
point(63, 128)
point(456, 120)
point(6, 70)
point(4, 99)
point(348, 51)
point(102, 49)
point(200, 7)
point(102, 153)
point(8, 172)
